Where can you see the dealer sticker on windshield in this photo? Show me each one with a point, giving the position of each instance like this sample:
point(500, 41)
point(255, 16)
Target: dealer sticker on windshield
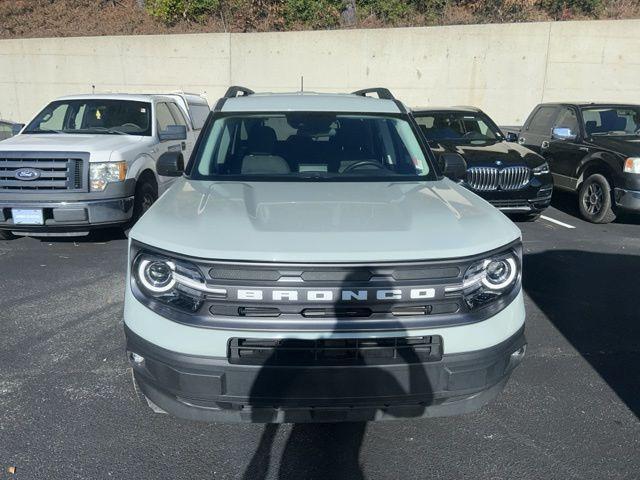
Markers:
point(27, 216)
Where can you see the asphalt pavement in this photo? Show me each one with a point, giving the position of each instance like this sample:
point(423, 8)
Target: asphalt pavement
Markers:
point(570, 411)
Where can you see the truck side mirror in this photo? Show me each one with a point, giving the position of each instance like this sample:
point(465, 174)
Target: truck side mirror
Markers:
point(511, 137)
point(563, 133)
point(170, 164)
point(16, 127)
point(173, 132)
point(454, 166)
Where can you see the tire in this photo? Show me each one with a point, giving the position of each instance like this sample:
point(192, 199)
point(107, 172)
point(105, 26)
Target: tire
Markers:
point(146, 195)
point(6, 235)
point(595, 201)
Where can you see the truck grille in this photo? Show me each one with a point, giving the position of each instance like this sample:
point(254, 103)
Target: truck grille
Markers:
point(53, 171)
point(486, 179)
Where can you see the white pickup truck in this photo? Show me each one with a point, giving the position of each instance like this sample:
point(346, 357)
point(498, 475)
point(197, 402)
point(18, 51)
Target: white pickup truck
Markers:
point(89, 161)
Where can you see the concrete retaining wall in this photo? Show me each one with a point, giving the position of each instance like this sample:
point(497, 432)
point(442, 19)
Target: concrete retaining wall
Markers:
point(504, 69)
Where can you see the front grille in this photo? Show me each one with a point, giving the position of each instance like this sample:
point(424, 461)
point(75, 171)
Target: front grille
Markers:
point(486, 179)
point(54, 171)
point(335, 352)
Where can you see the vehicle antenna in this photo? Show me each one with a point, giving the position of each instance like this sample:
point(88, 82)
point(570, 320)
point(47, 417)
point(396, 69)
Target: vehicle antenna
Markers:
point(301, 83)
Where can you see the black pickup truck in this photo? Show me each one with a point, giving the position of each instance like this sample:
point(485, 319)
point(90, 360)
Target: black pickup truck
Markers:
point(592, 149)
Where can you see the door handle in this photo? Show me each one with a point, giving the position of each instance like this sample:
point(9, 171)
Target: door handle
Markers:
point(544, 145)
point(184, 145)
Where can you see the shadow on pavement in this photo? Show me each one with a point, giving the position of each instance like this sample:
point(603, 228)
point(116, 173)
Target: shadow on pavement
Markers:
point(330, 450)
point(592, 299)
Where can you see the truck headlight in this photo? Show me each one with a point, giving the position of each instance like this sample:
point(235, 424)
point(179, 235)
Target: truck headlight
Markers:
point(487, 280)
point(168, 281)
point(102, 173)
point(541, 169)
point(632, 165)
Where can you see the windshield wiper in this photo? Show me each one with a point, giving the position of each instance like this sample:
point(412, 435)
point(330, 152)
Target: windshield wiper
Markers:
point(44, 131)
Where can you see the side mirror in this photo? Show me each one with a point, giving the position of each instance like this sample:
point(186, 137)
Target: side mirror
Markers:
point(454, 166)
point(16, 127)
point(170, 164)
point(511, 137)
point(563, 133)
point(173, 132)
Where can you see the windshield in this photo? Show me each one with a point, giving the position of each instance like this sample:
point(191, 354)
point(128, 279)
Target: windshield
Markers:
point(310, 146)
point(109, 117)
point(612, 120)
point(458, 126)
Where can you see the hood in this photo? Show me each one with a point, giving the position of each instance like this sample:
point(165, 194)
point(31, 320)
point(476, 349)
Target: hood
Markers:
point(627, 145)
point(487, 153)
point(69, 143)
point(323, 221)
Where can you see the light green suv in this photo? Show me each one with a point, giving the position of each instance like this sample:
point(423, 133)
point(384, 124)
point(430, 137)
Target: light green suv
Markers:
point(313, 264)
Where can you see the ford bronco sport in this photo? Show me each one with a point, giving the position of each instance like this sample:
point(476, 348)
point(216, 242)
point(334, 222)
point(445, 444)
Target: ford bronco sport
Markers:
point(312, 264)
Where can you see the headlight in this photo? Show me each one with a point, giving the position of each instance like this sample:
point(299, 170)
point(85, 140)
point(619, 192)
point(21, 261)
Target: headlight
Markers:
point(171, 282)
point(489, 279)
point(541, 169)
point(632, 165)
point(101, 173)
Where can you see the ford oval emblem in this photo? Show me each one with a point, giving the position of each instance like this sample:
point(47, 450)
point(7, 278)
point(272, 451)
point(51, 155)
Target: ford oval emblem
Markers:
point(498, 163)
point(27, 174)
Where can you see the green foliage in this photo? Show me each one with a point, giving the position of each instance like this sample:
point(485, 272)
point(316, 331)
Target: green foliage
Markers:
point(313, 13)
point(171, 11)
point(397, 11)
point(559, 7)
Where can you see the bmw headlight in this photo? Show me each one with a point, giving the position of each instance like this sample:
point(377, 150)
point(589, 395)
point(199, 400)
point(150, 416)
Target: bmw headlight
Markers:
point(541, 169)
point(103, 173)
point(489, 279)
point(172, 282)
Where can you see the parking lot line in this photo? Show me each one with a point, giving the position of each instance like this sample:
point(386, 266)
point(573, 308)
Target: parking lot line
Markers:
point(557, 222)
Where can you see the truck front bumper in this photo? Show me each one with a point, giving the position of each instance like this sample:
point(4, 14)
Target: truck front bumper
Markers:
point(627, 199)
point(215, 390)
point(69, 216)
point(70, 211)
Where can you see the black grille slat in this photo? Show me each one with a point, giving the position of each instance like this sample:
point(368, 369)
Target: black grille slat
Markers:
point(335, 352)
point(57, 171)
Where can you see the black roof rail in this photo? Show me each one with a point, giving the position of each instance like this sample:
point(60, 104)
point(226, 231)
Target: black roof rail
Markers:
point(235, 90)
point(383, 93)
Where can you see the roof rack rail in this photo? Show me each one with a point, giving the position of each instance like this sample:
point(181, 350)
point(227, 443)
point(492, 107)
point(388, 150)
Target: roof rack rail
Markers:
point(236, 91)
point(383, 93)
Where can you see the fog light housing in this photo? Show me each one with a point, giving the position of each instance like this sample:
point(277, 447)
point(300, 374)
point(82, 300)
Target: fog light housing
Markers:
point(135, 358)
point(518, 355)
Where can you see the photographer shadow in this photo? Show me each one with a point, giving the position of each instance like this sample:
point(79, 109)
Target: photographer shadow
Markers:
point(368, 388)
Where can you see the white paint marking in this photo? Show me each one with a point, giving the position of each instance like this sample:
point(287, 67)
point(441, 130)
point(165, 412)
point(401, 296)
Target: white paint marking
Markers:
point(557, 222)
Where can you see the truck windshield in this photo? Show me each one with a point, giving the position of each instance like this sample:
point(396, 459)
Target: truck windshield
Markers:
point(458, 126)
point(94, 116)
point(612, 120)
point(310, 146)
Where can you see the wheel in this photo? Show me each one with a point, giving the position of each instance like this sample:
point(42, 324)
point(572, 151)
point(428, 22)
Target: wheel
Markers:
point(595, 200)
point(6, 235)
point(526, 217)
point(146, 195)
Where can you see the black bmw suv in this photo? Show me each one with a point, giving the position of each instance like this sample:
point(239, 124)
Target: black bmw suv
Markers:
point(592, 149)
point(509, 176)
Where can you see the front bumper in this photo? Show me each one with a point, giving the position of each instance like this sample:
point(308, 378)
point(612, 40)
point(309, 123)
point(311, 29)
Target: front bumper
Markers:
point(627, 199)
point(532, 199)
point(69, 216)
point(213, 389)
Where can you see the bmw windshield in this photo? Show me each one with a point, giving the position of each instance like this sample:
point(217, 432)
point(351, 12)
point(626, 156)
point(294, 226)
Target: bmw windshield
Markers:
point(310, 146)
point(93, 116)
point(458, 127)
